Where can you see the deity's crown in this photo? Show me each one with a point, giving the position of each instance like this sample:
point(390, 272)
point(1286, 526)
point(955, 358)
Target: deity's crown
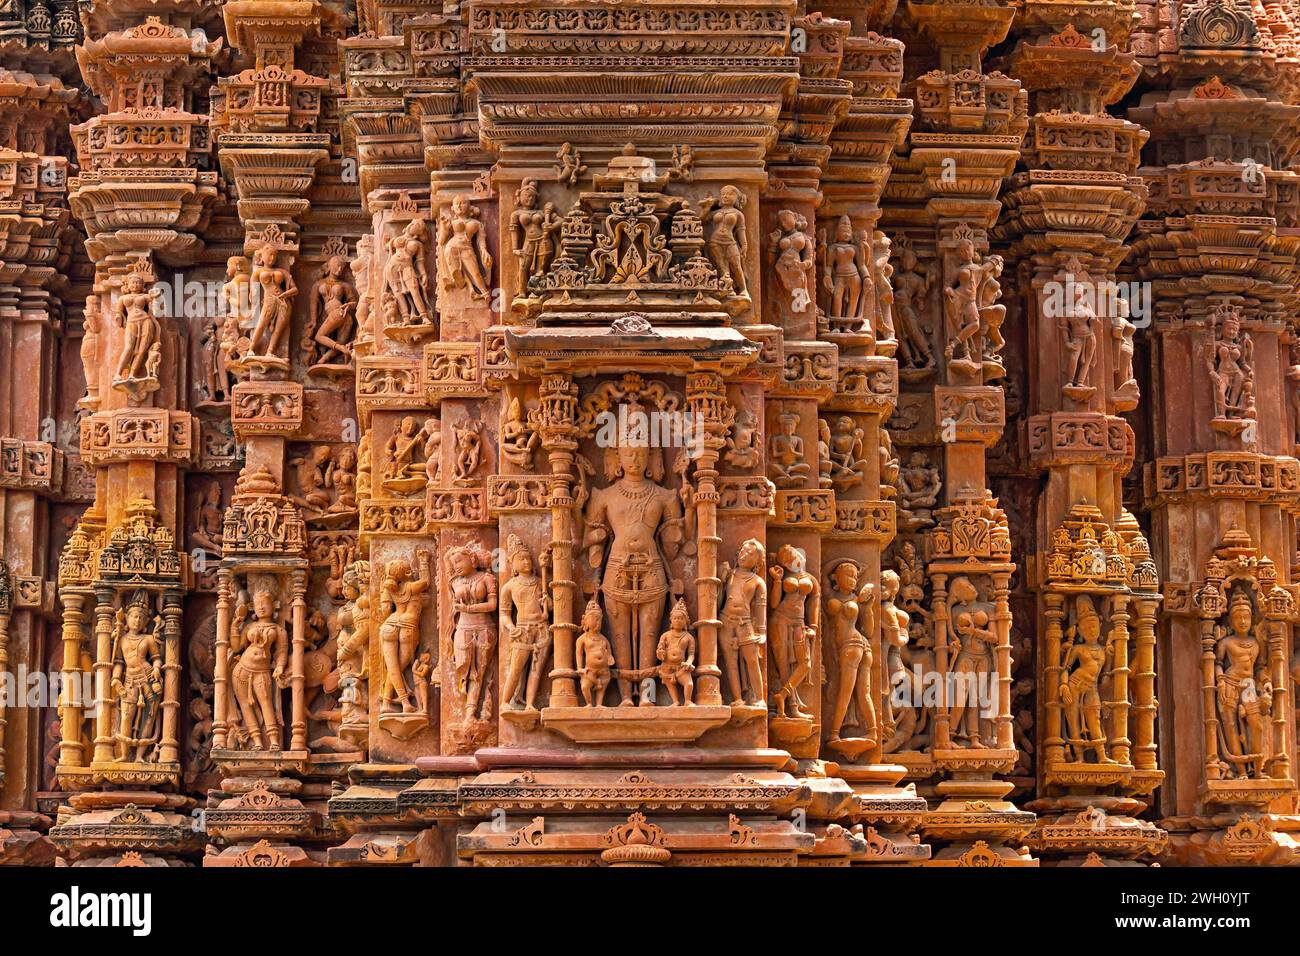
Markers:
point(1083, 608)
point(1240, 599)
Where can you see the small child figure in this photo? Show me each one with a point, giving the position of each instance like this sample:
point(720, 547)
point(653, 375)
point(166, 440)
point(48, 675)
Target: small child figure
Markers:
point(421, 670)
point(677, 656)
point(593, 656)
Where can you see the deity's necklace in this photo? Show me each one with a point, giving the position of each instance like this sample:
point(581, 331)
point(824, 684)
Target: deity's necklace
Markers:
point(635, 495)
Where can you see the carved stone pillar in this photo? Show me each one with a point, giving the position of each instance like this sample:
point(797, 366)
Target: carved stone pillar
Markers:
point(1218, 483)
point(1078, 322)
point(138, 436)
point(37, 94)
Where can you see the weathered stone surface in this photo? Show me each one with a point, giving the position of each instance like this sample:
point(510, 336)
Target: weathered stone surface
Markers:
point(663, 433)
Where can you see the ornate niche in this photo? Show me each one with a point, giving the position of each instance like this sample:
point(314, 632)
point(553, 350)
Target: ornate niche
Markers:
point(1086, 651)
point(259, 675)
point(127, 584)
point(329, 339)
point(1230, 367)
point(972, 314)
point(405, 305)
point(260, 291)
point(403, 671)
point(628, 244)
point(1098, 692)
point(646, 668)
point(1245, 618)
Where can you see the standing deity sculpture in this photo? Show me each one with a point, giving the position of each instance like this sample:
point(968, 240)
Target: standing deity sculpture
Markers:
point(877, 247)
point(845, 277)
point(352, 627)
point(962, 309)
point(912, 287)
point(850, 619)
point(992, 315)
point(1243, 691)
point(594, 659)
point(676, 654)
point(634, 527)
point(404, 302)
point(1231, 365)
point(790, 250)
point(728, 239)
point(742, 636)
point(214, 375)
point(468, 437)
point(897, 725)
point(237, 309)
point(259, 653)
point(1293, 391)
point(473, 590)
point(462, 243)
point(134, 313)
point(795, 601)
point(136, 681)
point(971, 644)
point(91, 330)
point(275, 291)
point(327, 339)
point(524, 617)
point(1087, 662)
point(1078, 327)
point(401, 602)
point(532, 234)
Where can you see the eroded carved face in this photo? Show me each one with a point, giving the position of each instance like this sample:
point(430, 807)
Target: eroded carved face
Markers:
point(522, 563)
point(845, 576)
point(1090, 627)
point(1240, 619)
point(136, 618)
point(263, 604)
point(633, 459)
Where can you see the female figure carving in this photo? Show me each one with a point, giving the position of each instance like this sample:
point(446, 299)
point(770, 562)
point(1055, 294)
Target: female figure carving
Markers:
point(847, 608)
point(473, 602)
point(399, 635)
point(795, 600)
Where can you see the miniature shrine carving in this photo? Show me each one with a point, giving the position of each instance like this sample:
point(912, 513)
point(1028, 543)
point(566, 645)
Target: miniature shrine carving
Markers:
point(504, 434)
